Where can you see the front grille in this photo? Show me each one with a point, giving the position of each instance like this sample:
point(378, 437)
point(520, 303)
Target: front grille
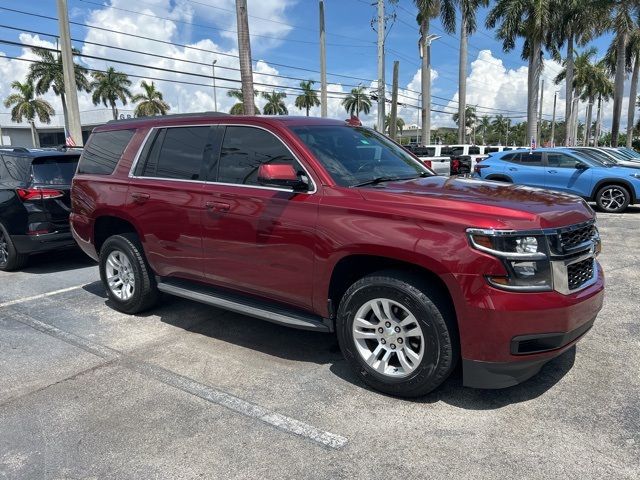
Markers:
point(579, 273)
point(574, 237)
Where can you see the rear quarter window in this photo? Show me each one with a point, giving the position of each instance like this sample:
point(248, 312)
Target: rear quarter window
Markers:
point(103, 151)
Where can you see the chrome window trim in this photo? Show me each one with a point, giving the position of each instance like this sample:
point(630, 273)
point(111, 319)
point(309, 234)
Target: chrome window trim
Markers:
point(136, 159)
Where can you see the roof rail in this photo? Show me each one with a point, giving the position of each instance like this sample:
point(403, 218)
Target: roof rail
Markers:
point(171, 116)
point(64, 148)
point(15, 149)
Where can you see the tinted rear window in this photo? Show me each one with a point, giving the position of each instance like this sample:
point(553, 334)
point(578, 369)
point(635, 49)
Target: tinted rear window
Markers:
point(102, 153)
point(15, 167)
point(54, 170)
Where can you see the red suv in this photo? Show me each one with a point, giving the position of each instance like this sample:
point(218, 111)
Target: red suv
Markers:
point(320, 225)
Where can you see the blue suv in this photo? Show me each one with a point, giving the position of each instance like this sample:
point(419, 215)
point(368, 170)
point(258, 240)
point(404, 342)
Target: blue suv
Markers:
point(613, 188)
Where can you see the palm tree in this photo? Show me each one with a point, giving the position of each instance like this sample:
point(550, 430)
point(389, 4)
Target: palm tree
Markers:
point(470, 119)
point(468, 26)
point(399, 123)
point(46, 74)
point(308, 98)
point(275, 103)
point(623, 23)
point(26, 105)
point(582, 71)
point(485, 125)
point(244, 51)
point(576, 23)
point(633, 52)
point(151, 102)
point(110, 86)
point(531, 20)
point(238, 108)
point(500, 126)
point(357, 101)
point(599, 85)
point(427, 9)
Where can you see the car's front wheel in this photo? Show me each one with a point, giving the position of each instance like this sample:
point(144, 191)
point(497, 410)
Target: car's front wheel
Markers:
point(613, 198)
point(398, 333)
point(128, 279)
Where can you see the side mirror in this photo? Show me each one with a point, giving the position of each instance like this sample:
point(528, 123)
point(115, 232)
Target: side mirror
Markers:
point(581, 166)
point(281, 175)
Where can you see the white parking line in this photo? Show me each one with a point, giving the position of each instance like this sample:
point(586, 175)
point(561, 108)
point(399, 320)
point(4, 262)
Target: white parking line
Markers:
point(42, 295)
point(187, 385)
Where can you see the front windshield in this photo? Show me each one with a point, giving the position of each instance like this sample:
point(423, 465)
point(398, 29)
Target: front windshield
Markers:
point(358, 155)
point(631, 152)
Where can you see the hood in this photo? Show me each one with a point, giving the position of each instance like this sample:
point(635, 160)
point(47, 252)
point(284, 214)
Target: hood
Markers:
point(480, 203)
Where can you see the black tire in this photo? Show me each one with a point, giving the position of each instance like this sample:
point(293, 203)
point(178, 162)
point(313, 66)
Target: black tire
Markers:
point(145, 291)
point(613, 198)
point(435, 316)
point(10, 258)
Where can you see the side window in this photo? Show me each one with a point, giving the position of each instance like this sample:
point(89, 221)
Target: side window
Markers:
point(457, 150)
point(446, 152)
point(103, 151)
point(512, 157)
point(244, 149)
point(178, 153)
point(533, 159)
point(17, 168)
point(561, 160)
point(492, 150)
point(474, 150)
point(431, 151)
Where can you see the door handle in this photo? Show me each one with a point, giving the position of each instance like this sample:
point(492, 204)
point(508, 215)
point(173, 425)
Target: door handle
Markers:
point(513, 169)
point(140, 197)
point(552, 171)
point(218, 206)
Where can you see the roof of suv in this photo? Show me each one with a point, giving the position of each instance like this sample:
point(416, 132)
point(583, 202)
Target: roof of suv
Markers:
point(39, 152)
point(215, 117)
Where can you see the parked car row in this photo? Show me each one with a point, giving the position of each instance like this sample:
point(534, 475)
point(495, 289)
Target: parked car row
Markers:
point(595, 174)
point(454, 159)
point(316, 224)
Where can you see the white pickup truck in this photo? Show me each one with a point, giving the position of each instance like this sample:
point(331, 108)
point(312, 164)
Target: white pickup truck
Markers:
point(438, 157)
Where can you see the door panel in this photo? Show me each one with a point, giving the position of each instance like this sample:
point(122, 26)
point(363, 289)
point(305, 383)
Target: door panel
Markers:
point(527, 168)
point(260, 241)
point(562, 175)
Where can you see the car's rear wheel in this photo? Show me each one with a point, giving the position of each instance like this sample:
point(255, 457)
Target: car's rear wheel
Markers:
point(10, 259)
point(613, 198)
point(398, 333)
point(126, 275)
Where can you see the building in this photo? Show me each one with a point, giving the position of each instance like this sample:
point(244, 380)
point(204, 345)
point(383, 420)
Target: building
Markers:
point(52, 135)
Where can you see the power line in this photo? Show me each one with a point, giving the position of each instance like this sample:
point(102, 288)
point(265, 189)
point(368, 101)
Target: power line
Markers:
point(222, 29)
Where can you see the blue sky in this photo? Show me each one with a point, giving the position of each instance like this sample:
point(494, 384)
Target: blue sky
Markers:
point(286, 33)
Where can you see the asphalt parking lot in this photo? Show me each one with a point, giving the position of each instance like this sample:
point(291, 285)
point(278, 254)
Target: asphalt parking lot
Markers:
point(189, 391)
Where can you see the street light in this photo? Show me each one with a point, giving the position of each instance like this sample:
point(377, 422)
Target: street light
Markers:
point(215, 100)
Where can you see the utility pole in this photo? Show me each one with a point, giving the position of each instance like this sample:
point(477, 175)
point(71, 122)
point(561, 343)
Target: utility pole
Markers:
point(381, 93)
point(393, 121)
point(68, 71)
point(424, 46)
point(323, 64)
point(539, 139)
point(244, 51)
point(215, 100)
point(553, 120)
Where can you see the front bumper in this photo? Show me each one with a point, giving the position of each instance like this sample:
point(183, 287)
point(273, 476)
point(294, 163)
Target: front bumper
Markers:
point(506, 337)
point(27, 244)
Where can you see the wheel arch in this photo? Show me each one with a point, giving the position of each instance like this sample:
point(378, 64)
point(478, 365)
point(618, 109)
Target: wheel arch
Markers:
point(108, 225)
point(615, 181)
point(499, 177)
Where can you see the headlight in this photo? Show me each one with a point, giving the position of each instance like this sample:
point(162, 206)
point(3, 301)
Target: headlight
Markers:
point(525, 257)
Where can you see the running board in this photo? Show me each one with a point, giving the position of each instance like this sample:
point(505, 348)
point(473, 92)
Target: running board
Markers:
point(241, 304)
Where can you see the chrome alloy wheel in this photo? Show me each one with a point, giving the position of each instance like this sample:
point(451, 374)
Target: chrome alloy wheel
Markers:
point(388, 337)
point(612, 198)
point(120, 275)
point(4, 249)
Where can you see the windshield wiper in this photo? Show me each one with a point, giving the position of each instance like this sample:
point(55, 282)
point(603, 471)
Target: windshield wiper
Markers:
point(377, 180)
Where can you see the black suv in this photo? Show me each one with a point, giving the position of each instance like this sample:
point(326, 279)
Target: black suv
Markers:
point(34, 202)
